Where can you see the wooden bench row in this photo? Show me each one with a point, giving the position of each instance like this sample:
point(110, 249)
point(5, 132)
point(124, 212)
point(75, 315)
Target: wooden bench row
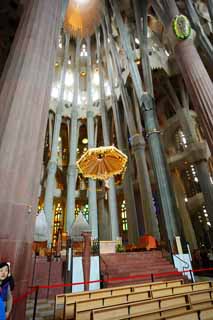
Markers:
point(71, 298)
point(150, 309)
point(202, 314)
point(87, 305)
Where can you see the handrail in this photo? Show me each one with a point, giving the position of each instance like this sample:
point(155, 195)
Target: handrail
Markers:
point(186, 263)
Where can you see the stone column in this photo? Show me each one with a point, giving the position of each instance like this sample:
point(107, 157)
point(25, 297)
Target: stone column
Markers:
point(133, 232)
point(150, 221)
point(104, 119)
point(50, 131)
point(93, 214)
point(52, 165)
point(160, 168)
point(184, 214)
point(197, 80)
point(24, 100)
point(71, 171)
point(103, 218)
point(149, 115)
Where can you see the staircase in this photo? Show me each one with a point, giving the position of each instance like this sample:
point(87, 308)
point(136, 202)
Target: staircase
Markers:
point(123, 265)
point(44, 310)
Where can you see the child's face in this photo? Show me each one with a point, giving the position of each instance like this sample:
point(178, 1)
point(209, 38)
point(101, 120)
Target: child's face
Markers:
point(3, 273)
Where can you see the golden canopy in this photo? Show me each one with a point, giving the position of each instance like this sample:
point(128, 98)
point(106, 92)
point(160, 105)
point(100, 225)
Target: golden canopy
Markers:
point(102, 163)
point(82, 17)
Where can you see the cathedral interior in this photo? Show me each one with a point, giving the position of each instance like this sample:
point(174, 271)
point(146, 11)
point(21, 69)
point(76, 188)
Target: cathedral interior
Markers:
point(134, 76)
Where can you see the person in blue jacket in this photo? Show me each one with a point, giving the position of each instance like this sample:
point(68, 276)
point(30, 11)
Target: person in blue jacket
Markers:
point(5, 291)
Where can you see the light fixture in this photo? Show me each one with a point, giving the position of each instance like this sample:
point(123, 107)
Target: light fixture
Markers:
point(137, 41)
point(56, 64)
point(84, 140)
point(138, 61)
point(167, 53)
point(69, 61)
point(186, 199)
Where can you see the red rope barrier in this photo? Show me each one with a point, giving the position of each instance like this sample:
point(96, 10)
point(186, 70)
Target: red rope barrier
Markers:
point(61, 285)
point(23, 296)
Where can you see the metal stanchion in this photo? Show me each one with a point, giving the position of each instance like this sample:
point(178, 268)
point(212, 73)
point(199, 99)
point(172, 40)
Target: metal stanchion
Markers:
point(191, 275)
point(35, 303)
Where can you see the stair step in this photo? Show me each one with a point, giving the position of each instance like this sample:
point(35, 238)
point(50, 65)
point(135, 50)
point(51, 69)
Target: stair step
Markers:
point(123, 265)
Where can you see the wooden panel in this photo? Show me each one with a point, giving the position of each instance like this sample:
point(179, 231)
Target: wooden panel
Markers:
point(158, 286)
point(121, 291)
point(173, 302)
point(141, 288)
point(138, 296)
point(77, 297)
point(174, 312)
point(202, 305)
point(201, 286)
point(110, 313)
point(83, 315)
point(69, 311)
point(152, 316)
point(174, 283)
point(162, 293)
point(182, 289)
point(206, 314)
point(115, 300)
point(201, 296)
point(59, 299)
point(100, 294)
point(189, 316)
point(89, 304)
point(144, 307)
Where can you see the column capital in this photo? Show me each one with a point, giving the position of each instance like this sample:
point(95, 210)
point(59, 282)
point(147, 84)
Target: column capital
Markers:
point(74, 114)
point(137, 142)
point(52, 166)
point(90, 114)
point(58, 114)
point(147, 102)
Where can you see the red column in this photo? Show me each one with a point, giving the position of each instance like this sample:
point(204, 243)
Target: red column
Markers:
point(197, 80)
point(199, 85)
point(86, 258)
point(24, 99)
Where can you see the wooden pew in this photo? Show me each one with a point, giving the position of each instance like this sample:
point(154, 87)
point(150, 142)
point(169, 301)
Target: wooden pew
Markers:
point(154, 308)
point(69, 299)
point(185, 288)
point(85, 306)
